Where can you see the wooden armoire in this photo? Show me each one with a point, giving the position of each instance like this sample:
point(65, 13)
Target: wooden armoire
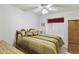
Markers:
point(73, 36)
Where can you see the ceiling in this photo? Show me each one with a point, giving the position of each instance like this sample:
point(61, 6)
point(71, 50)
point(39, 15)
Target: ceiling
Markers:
point(34, 7)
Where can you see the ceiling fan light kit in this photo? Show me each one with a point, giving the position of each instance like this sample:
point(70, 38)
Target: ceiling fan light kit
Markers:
point(44, 11)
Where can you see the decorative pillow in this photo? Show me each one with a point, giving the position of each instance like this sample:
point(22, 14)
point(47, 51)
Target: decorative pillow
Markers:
point(29, 34)
point(35, 32)
point(19, 35)
point(23, 32)
point(31, 29)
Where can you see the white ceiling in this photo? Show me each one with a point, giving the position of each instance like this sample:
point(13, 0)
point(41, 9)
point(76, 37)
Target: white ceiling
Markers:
point(34, 7)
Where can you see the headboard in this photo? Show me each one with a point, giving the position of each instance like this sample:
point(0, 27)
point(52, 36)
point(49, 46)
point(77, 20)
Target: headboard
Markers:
point(24, 32)
point(17, 34)
point(20, 33)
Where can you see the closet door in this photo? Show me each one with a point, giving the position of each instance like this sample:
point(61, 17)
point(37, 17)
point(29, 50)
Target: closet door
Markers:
point(73, 36)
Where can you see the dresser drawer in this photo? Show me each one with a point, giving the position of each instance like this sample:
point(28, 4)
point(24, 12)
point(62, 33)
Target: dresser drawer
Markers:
point(73, 48)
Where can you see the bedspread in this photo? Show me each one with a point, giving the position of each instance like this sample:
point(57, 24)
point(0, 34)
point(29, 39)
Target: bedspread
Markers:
point(37, 45)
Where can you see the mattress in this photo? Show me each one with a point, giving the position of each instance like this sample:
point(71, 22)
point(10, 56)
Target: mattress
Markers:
point(37, 45)
point(5, 48)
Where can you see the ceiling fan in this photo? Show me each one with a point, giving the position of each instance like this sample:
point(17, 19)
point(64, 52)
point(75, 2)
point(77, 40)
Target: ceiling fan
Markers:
point(45, 8)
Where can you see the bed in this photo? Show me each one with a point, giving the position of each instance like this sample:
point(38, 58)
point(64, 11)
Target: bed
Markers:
point(5, 48)
point(51, 38)
point(42, 44)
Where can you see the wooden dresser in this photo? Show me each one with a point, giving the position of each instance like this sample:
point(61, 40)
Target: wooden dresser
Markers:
point(73, 36)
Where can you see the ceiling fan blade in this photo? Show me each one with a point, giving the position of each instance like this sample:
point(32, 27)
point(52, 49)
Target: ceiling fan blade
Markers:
point(32, 8)
point(51, 9)
point(49, 5)
point(37, 9)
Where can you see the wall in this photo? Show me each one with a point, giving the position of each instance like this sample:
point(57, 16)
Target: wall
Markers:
point(60, 29)
point(12, 19)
